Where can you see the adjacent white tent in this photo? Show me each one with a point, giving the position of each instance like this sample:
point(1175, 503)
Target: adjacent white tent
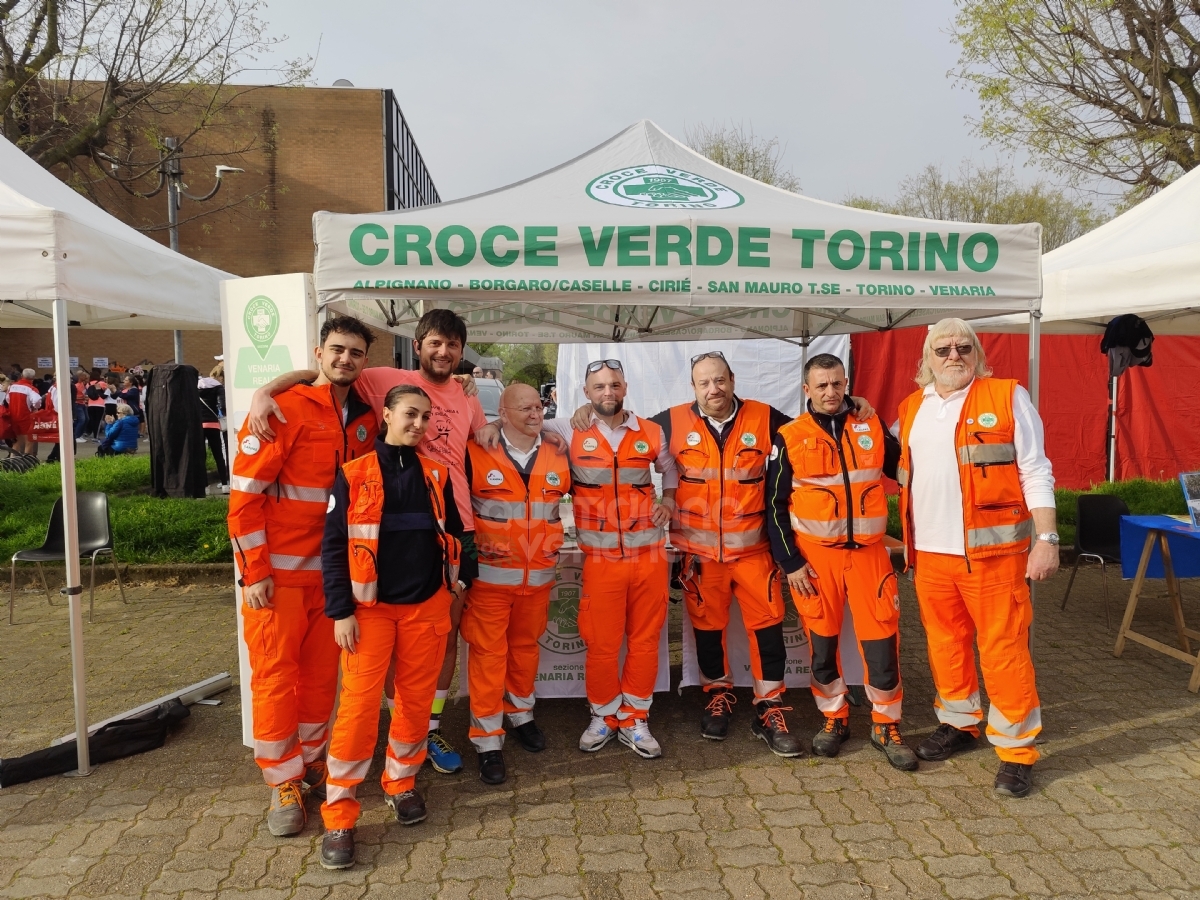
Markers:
point(63, 259)
point(55, 243)
point(642, 239)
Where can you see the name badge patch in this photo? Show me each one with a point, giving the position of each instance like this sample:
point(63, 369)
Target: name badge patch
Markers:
point(693, 438)
point(250, 445)
point(860, 426)
point(589, 444)
point(495, 477)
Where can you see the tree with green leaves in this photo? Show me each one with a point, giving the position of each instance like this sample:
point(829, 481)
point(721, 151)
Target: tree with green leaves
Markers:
point(1106, 88)
point(989, 194)
point(743, 151)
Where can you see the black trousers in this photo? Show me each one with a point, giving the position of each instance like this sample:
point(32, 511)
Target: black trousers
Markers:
point(216, 443)
point(95, 419)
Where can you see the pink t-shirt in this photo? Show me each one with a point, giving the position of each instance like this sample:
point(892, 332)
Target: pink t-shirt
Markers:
point(454, 419)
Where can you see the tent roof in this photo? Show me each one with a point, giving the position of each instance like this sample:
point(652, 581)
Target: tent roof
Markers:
point(56, 243)
point(641, 238)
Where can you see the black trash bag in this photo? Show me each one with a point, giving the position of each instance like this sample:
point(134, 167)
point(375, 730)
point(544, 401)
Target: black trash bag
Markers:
point(137, 734)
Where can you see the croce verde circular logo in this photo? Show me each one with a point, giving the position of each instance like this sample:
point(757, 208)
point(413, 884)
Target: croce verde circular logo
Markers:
point(262, 323)
point(662, 187)
point(562, 622)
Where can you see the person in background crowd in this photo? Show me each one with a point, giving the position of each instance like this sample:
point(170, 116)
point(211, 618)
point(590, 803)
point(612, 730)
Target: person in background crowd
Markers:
point(131, 396)
point(14, 373)
point(978, 512)
point(111, 391)
point(79, 404)
point(23, 400)
point(6, 430)
point(212, 413)
point(121, 433)
point(50, 404)
point(477, 372)
point(95, 394)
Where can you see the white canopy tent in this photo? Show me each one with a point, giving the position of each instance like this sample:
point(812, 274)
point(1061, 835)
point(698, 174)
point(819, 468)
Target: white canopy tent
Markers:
point(64, 260)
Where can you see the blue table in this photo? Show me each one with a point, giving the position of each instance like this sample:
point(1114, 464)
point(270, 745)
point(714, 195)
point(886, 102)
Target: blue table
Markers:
point(1164, 544)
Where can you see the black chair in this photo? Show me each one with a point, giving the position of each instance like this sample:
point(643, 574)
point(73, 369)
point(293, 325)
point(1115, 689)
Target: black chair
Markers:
point(95, 537)
point(1098, 537)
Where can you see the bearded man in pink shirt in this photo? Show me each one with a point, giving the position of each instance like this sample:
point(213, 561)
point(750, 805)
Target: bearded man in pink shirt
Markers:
point(438, 342)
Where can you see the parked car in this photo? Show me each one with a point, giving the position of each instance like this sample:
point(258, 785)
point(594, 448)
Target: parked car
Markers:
point(490, 390)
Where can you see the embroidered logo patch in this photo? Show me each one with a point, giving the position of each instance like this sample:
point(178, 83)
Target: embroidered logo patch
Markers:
point(988, 420)
point(495, 477)
point(641, 447)
point(362, 432)
point(865, 442)
point(250, 445)
point(693, 438)
point(589, 444)
point(553, 479)
point(749, 439)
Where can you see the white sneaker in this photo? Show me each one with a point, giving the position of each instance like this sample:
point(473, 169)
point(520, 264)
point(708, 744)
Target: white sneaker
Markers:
point(81, 440)
point(224, 489)
point(596, 735)
point(637, 737)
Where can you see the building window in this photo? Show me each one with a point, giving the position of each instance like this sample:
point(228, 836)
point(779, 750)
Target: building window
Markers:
point(409, 184)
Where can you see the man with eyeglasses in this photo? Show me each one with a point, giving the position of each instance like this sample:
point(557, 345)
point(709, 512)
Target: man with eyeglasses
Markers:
point(975, 489)
point(516, 489)
point(621, 528)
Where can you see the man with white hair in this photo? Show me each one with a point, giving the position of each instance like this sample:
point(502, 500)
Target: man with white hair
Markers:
point(975, 489)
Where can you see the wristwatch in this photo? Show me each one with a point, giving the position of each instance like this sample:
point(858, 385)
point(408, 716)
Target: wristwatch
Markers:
point(1050, 537)
point(462, 585)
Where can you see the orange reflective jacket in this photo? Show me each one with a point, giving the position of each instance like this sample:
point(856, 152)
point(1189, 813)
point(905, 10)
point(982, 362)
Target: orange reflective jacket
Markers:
point(518, 529)
point(996, 520)
point(279, 489)
point(364, 515)
point(837, 497)
point(613, 495)
point(721, 501)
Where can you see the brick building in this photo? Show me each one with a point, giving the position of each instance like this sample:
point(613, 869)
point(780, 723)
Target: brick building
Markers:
point(342, 149)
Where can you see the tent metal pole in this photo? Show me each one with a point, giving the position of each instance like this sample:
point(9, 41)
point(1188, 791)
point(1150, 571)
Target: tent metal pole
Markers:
point(74, 585)
point(1112, 433)
point(1035, 355)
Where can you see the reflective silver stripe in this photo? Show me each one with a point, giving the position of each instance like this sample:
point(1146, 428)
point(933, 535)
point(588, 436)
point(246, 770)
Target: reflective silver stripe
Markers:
point(312, 731)
point(519, 707)
point(251, 540)
point(396, 770)
point(404, 760)
point(902, 477)
point(740, 540)
point(1003, 733)
point(248, 485)
point(347, 769)
point(633, 476)
point(701, 474)
point(540, 577)
point(644, 538)
point(886, 703)
point(365, 591)
point(498, 575)
point(590, 476)
point(487, 742)
point(291, 769)
point(406, 751)
point(545, 512)
point(870, 525)
point(642, 703)
point(987, 453)
point(999, 534)
point(745, 474)
point(696, 536)
point(335, 793)
point(959, 713)
point(725, 680)
point(766, 690)
point(276, 749)
point(856, 476)
point(492, 724)
point(500, 510)
point(303, 494)
point(597, 540)
point(819, 528)
point(606, 709)
point(295, 563)
point(365, 532)
point(830, 698)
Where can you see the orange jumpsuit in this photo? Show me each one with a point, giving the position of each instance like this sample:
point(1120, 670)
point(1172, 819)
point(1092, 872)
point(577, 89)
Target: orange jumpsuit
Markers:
point(981, 596)
point(625, 589)
point(837, 512)
point(518, 531)
point(278, 493)
point(410, 635)
point(720, 522)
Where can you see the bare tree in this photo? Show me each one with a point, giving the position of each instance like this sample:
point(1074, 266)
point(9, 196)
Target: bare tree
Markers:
point(1099, 87)
point(741, 150)
point(990, 194)
point(98, 86)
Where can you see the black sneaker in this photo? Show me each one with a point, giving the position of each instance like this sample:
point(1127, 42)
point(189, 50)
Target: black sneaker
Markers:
point(491, 767)
point(828, 741)
point(714, 721)
point(886, 737)
point(337, 849)
point(945, 742)
point(1014, 779)
point(409, 807)
point(771, 727)
point(530, 737)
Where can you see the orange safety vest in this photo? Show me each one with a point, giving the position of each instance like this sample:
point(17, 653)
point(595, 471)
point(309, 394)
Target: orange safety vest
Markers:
point(364, 479)
point(518, 529)
point(720, 506)
point(996, 521)
point(837, 497)
point(613, 496)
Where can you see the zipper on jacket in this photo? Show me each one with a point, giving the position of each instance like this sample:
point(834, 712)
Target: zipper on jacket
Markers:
point(617, 500)
point(862, 506)
point(850, 542)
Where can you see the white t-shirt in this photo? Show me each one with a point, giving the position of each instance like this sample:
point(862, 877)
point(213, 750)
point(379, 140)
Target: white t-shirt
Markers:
point(937, 500)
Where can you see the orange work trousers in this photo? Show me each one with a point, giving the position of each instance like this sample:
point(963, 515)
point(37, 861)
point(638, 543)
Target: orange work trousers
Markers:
point(413, 636)
point(708, 590)
point(987, 603)
point(622, 600)
point(502, 626)
point(864, 577)
point(293, 680)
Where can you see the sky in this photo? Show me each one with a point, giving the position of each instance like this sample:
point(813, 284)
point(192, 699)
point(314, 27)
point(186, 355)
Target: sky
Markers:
point(856, 92)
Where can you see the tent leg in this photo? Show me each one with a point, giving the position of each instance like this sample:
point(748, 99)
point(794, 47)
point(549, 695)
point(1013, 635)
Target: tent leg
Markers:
point(73, 588)
point(1112, 432)
point(1035, 378)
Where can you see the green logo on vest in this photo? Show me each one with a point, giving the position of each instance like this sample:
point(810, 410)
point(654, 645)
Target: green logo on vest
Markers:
point(749, 439)
point(641, 447)
point(988, 420)
point(662, 187)
point(865, 442)
point(262, 323)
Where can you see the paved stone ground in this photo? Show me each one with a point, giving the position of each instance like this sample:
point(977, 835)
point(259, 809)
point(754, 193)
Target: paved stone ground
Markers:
point(1116, 812)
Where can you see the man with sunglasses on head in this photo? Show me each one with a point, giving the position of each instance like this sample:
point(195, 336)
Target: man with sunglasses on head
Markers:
point(621, 528)
point(976, 489)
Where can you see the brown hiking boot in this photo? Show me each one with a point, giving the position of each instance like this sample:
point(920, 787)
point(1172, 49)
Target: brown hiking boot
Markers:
point(886, 737)
point(287, 815)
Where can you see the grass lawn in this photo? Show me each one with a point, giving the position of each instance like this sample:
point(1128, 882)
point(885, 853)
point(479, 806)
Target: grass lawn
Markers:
point(147, 530)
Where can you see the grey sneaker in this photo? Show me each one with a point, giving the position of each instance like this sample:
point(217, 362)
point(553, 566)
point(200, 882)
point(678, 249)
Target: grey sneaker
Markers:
point(287, 815)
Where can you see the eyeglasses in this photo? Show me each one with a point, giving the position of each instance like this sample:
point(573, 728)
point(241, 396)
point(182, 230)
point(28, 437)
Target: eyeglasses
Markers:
point(594, 367)
point(711, 354)
point(963, 350)
point(526, 410)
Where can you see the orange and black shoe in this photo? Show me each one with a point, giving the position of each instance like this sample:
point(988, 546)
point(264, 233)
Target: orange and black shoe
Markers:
point(828, 741)
point(771, 727)
point(886, 736)
point(714, 721)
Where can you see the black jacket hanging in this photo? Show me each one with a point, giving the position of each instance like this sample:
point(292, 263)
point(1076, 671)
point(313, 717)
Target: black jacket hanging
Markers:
point(1127, 341)
point(174, 421)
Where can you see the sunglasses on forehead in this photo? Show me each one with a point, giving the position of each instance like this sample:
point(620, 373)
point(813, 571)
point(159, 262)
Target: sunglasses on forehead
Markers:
point(711, 354)
point(594, 367)
point(963, 350)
